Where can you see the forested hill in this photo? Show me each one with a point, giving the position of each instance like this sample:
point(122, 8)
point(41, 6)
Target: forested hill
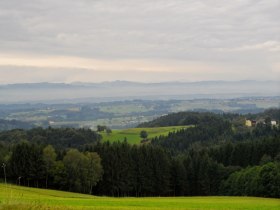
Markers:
point(14, 124)
point(195, 118)
point(58, 137)
point(182, 118)
point(213, 128)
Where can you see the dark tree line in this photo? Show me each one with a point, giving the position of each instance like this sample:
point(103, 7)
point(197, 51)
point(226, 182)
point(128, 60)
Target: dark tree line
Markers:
point(261, 180)
point(246, 153)
point(30, 164)
point(150, 170)
point(133, 170)
point(120, 169)
point(57, 137)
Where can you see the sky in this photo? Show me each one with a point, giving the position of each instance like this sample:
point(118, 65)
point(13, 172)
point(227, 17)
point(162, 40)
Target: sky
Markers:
point(138, 40)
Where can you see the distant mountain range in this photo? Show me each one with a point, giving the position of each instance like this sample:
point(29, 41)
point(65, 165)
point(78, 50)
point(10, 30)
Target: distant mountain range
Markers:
point(123, 90)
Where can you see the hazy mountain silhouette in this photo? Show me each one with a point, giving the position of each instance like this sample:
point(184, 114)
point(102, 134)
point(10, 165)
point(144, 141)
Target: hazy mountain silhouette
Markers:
point(118, 90)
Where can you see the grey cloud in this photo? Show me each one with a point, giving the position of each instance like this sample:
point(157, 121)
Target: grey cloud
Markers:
point(173, 29)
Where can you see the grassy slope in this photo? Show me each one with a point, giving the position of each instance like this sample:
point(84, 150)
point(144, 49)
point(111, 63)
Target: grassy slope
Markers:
point(13, 197)
point(133, 134)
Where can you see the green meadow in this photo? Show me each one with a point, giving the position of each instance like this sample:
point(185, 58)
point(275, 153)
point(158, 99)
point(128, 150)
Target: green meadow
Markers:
point(23, 198)
point(133, 134)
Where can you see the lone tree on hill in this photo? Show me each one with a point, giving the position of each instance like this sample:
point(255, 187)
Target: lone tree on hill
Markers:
point(143, 134)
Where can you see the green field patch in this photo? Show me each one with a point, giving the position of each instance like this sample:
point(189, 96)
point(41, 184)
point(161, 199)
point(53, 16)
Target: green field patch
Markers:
point(23, 198)
point(133, 134)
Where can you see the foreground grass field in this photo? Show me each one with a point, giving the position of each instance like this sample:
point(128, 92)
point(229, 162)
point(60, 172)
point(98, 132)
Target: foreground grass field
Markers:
point(132, 134)
point(22, 198)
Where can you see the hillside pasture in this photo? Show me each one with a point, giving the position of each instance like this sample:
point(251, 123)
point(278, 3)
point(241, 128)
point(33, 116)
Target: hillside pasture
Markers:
point(133, 134)
point(23, 198)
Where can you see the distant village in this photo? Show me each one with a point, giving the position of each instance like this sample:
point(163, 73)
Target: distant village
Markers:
point(252, 123)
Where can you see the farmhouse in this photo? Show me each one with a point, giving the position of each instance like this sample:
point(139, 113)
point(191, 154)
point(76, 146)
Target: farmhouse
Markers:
point(273, 122)
point(254, 122)
point(248, 123)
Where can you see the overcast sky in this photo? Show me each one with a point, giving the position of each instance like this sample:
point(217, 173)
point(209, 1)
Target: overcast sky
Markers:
point(139, 40)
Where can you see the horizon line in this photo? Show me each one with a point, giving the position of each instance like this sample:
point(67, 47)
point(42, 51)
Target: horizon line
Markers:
point(131, 81)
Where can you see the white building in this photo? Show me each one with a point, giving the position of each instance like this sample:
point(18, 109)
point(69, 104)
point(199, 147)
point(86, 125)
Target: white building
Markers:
point(273, 122)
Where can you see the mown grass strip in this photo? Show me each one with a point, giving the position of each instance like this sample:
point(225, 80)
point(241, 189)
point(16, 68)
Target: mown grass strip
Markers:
point(22, 198)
